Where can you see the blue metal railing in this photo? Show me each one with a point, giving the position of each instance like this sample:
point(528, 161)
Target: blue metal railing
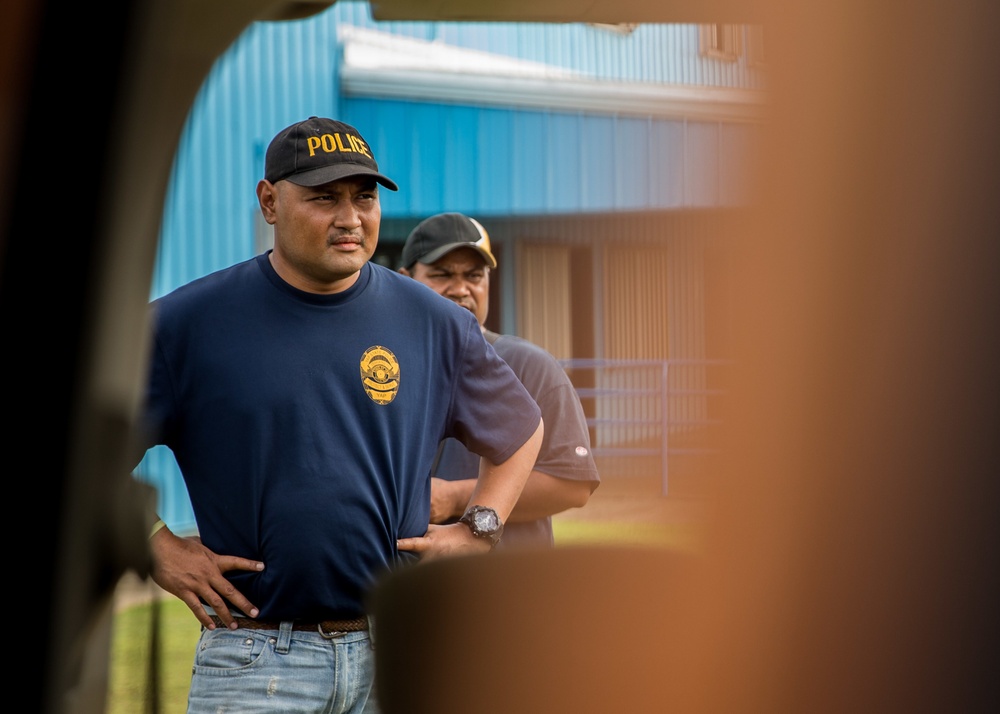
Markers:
point(650, 408)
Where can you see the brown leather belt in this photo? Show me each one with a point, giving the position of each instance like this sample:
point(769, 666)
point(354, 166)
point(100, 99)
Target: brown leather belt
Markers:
point(327, 628)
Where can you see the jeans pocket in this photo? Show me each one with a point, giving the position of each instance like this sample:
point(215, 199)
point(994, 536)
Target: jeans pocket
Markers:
point(222, 651)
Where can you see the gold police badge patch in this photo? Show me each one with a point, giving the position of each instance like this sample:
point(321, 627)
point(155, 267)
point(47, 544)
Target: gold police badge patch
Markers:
point(380, 374)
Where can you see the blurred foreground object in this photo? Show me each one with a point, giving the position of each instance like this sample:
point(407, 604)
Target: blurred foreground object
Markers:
point(533, 631)
point(852, 566)
point(850, 563)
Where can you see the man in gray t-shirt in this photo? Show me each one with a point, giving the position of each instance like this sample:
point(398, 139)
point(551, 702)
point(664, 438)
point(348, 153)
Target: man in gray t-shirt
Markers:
point(450, 253)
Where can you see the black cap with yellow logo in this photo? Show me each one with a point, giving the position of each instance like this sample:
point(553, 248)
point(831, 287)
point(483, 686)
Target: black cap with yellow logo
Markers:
point(317, 151)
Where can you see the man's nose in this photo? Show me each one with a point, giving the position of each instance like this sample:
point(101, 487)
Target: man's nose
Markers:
point(457, 285)
point(347, 215)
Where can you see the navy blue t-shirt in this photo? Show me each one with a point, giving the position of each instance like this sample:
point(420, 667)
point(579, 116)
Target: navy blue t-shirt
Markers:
point(305, 425)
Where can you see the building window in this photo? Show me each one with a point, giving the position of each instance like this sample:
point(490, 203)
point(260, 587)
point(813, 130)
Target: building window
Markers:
point(722, 42)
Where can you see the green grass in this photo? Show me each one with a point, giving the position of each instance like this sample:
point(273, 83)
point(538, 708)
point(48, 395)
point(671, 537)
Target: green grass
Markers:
point(130, 685)
point(129, 682)
point(672, 536)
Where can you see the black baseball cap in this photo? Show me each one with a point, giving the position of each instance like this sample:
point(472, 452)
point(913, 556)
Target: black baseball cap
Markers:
point(317, 151)
point(443, 233)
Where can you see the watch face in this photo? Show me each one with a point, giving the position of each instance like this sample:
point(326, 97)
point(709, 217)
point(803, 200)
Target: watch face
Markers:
point(486, 521)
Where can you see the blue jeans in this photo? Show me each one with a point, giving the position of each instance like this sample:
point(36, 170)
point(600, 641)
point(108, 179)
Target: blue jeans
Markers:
point(270, 671)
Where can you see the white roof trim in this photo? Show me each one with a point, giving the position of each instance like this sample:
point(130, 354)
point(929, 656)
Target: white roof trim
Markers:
point(378, 64)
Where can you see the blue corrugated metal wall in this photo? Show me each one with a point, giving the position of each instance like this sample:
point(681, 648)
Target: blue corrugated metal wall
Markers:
point(487, 161)
point(490, 160)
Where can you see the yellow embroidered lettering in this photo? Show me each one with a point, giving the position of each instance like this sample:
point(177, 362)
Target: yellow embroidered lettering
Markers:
point(331, 143)
point(329, 146)
point(340, 145)
point(359, 145)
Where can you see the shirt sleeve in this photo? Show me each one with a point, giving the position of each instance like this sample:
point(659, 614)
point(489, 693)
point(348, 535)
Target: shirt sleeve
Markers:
point(493, 413)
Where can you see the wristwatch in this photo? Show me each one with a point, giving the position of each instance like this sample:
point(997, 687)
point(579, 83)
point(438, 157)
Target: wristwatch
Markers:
point(484, 523)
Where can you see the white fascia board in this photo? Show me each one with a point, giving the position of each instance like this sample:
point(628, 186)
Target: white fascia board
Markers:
point(378, 64)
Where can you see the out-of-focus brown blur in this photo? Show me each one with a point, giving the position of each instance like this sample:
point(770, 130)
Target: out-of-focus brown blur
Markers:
point(851, 563)
point(858, 514)
point(851, 546)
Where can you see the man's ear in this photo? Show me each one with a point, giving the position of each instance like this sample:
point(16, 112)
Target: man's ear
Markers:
point(404, 271)
point(266, 196)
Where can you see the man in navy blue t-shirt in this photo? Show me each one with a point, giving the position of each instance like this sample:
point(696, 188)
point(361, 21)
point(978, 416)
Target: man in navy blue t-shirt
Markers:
point(303, 393)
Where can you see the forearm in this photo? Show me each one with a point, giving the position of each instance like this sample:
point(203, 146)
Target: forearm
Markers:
point(449, 498)
point(544, 495)
point(499, 485)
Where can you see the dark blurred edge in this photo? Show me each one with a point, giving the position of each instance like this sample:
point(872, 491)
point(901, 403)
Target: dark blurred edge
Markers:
point(94, 99)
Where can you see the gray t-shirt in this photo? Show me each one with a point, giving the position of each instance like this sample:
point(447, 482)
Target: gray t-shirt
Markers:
point(565, 451)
